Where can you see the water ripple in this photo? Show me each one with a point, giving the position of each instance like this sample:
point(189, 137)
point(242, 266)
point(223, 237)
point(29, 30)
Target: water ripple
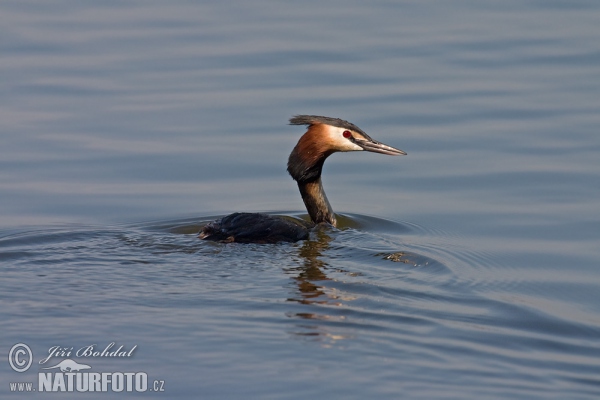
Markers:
point(413, 290)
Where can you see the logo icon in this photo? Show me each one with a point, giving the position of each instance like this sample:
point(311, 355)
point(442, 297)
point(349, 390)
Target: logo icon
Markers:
point(20, 357)
point(69, 366)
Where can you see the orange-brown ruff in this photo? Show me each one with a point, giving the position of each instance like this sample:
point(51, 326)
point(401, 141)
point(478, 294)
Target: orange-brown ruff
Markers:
point(323, 137)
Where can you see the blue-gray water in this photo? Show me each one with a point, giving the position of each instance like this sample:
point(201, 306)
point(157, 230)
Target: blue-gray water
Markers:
point(469, 269)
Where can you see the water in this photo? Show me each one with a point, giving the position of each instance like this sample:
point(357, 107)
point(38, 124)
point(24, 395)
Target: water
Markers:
point(465, 270)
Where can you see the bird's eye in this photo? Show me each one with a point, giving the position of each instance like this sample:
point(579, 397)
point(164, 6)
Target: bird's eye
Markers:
point(347, 134)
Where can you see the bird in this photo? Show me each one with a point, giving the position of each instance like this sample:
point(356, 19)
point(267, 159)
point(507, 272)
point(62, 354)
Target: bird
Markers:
point(324, 136)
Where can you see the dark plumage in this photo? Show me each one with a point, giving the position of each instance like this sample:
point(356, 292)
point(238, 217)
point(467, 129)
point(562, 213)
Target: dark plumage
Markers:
point(317, 119)
point(255, 228)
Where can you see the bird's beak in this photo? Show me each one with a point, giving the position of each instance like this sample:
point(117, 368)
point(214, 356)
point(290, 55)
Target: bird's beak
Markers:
point(376, 147)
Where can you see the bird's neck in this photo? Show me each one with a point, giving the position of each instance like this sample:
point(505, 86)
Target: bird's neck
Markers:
point(316, 202)
point(305, 165)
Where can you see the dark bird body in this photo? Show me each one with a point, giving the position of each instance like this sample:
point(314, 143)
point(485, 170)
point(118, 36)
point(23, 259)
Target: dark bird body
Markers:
point(324, 137)
point(255, 228)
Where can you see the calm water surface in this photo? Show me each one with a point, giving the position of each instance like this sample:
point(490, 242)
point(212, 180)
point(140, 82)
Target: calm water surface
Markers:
point(468, 269)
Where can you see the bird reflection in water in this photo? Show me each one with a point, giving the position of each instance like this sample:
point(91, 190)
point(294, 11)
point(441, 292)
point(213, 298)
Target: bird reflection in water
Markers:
point(310, 283)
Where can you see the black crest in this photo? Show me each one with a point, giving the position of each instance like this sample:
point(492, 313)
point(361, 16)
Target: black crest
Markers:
point(317, 119)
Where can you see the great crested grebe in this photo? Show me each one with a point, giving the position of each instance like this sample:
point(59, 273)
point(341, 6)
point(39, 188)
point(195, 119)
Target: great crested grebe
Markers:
point(323, 137)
